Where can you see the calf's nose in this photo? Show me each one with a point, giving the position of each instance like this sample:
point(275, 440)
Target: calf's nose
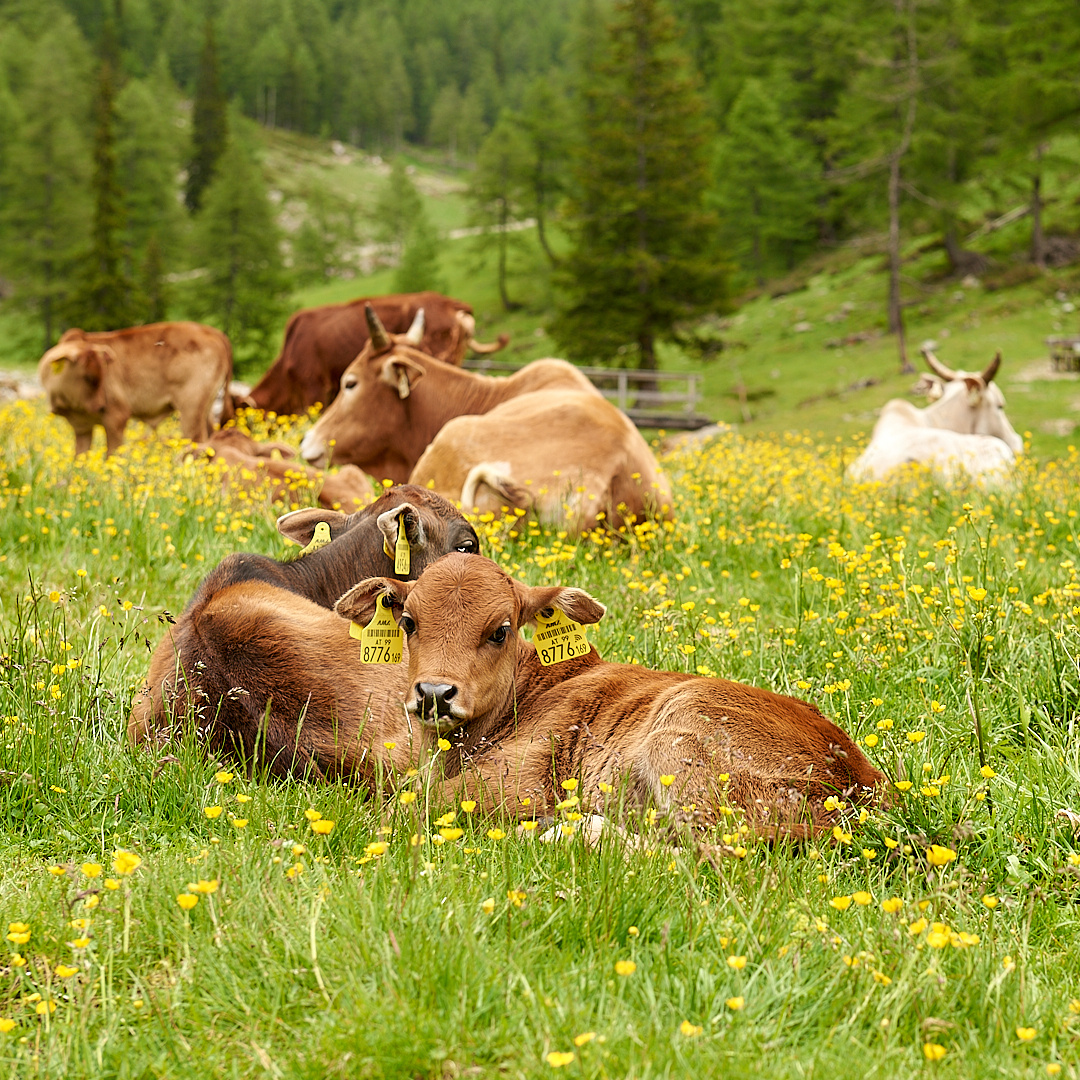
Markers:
point(435, 698)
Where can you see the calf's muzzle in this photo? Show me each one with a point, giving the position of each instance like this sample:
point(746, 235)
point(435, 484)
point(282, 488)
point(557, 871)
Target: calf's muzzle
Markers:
point(433, 699)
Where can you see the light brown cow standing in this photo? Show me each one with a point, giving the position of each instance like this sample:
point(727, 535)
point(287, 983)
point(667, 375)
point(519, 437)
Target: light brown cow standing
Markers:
point(394, 399)
point(519, 729)
point(570, 457)
point(145, 372)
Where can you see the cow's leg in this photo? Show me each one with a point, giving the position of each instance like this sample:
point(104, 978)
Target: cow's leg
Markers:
point(84, 437)
point(114, 422)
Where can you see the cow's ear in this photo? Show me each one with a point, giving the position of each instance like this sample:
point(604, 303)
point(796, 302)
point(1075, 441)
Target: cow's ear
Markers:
point(574, 603)
point(299, 525)
point(975, 387)
point(358, 604)
point(402, 373)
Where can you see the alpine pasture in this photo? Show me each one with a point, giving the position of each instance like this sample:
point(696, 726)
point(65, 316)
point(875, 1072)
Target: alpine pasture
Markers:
point(170, 915)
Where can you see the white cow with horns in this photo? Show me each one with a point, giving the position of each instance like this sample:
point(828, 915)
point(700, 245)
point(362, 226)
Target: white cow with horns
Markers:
point(964, 433)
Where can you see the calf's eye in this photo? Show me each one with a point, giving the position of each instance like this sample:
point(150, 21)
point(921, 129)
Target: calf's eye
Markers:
point(499, 636)
point(407, 624)
point(466, 546)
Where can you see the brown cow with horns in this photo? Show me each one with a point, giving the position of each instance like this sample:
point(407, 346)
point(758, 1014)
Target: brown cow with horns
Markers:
point(320, 343)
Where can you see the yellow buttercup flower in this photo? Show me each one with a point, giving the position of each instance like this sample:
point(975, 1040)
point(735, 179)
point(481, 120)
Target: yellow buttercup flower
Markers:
point(841, 903)
point(690, 1030)
point(936, 855)
point(126, 863)
point(322, 827)
point(213, 811)
point(736, 962)
point(558, 1058)
point(312, 814)
point(187, 901)
point(65, 971)
point(736, 1003)
point(1026, 1034)
point(92, 869)
point(625, 967)
point(584, 1037)
point(934, 1051)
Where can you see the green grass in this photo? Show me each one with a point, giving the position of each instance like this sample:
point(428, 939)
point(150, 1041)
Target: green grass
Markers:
point(865, 600)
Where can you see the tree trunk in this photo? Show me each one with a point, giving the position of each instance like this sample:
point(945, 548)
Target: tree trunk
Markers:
point(896, 311)
point(1038, 240)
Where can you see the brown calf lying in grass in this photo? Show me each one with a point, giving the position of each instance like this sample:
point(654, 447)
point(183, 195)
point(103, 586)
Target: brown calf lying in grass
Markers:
point(519, 729)
point(225, 665)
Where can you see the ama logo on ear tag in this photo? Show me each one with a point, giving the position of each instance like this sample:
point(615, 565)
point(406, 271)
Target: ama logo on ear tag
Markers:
point(381, 640)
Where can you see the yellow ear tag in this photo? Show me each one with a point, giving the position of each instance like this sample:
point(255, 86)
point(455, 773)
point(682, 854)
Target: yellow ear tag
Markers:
point(56, 366)
point(558, 638)
point(401, 551)
point(381, 640)
point(319, 539)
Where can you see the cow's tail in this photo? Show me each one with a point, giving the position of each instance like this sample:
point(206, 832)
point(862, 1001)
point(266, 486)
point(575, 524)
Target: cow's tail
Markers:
point(496, 476)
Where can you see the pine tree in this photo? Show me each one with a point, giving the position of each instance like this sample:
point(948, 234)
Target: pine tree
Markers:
point(44, 208)
point(766, 186)
point(419, 266)
point(644, 250)
point(209, 123)
point(497, 193)
point(244, 289)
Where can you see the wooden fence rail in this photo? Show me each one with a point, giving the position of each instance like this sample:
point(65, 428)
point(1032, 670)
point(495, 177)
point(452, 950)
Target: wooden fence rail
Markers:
point(652, 399)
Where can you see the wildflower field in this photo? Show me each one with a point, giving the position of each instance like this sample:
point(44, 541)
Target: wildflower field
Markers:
point(168, 915)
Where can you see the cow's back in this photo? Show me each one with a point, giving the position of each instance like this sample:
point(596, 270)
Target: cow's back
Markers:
point(321, 342)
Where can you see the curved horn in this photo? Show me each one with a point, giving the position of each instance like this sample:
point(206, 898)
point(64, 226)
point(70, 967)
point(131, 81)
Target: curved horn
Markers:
point(380, 342)
point(415, 334)
point(937, 367)
point(483, 348)
point(992, 368)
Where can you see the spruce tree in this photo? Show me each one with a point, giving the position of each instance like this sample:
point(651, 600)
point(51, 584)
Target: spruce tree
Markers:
point(497, 193)
point(244, 288)
point(44, 207)
point(766, 187)
point(644, 252)
point(209, 123)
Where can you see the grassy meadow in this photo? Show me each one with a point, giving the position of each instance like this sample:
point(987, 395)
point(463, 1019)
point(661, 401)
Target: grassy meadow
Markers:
point(171, 916)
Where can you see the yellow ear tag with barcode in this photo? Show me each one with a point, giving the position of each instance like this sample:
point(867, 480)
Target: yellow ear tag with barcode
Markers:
point(319, 539)
point(381, 640)
point(401, 551)
point(558, 638)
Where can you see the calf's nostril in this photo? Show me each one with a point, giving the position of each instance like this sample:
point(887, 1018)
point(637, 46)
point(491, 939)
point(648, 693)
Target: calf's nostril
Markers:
point(435, 698)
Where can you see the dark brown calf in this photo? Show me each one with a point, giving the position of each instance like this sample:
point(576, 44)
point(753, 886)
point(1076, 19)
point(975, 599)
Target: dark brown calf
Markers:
point(519, 729)
point(186, 671)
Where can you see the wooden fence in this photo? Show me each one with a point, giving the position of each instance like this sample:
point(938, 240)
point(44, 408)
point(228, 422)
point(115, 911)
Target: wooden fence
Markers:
point(652, 399)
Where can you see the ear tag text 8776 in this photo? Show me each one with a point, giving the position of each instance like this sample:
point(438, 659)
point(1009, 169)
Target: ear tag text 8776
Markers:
point(381, 640)
point(558, 638)
point(320, 538)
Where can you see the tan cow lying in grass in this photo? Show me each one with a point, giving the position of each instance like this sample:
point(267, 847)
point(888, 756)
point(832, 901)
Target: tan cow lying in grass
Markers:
point(259, 661)
point(394, 399)
point(963, 433)
point(518, 729)
point(145, 372)
point(568, 456)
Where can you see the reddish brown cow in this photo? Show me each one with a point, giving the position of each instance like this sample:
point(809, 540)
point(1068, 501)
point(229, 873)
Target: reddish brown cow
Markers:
point(321, 342)
point(262, 666)
point(519, 729)
point(394, 399)
point(144, 372)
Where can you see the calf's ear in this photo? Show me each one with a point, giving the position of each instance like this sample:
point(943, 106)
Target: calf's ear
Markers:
point(402, 374)
point(299, 525)
point(358, 604)
point(574, 603)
